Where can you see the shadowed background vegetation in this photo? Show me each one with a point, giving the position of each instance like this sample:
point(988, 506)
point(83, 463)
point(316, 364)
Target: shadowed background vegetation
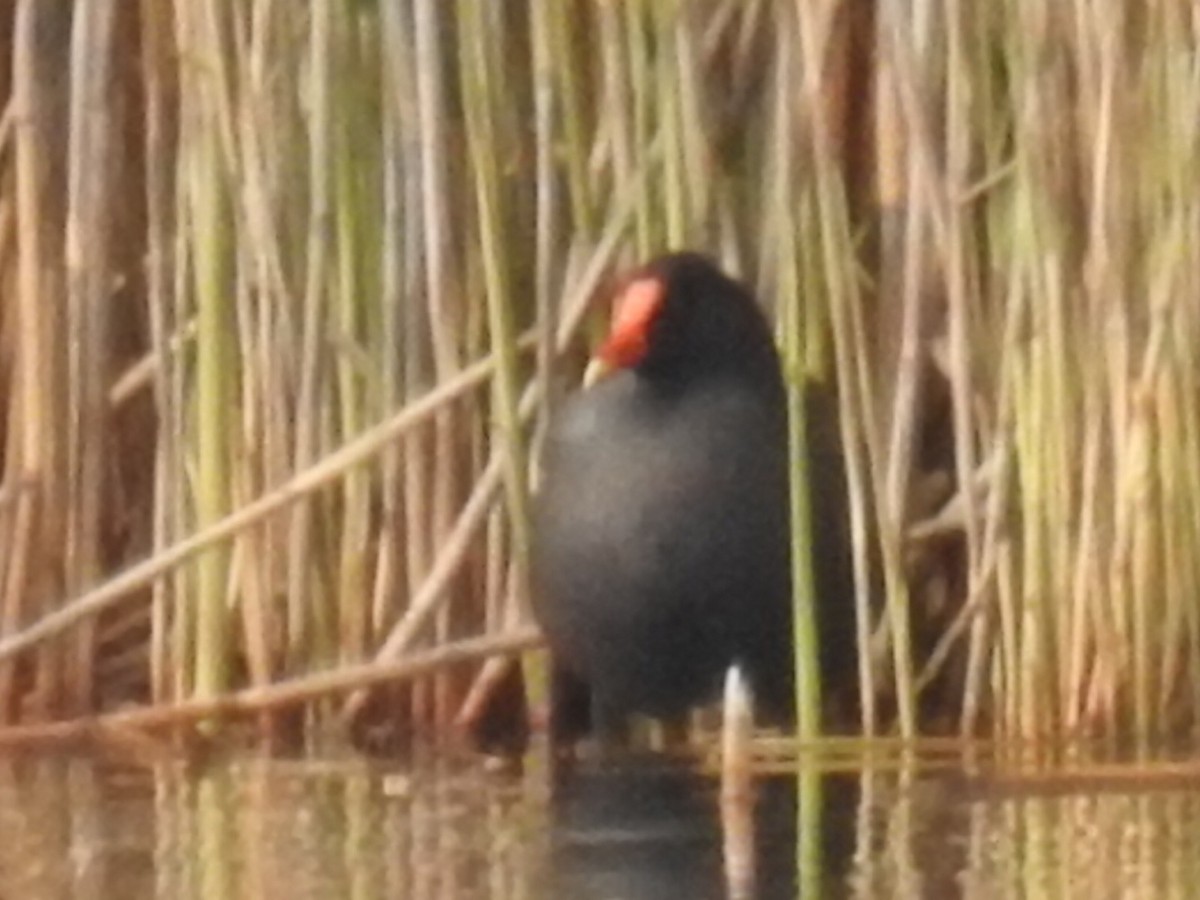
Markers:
point(282, 286)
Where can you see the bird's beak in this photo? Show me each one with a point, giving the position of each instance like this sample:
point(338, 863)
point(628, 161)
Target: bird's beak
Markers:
point(596, 370)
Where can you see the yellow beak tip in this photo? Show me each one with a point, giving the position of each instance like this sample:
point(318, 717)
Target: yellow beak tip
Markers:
point(595, 371)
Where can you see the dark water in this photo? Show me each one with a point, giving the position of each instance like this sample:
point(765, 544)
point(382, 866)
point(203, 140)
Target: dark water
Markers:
point(78, 828)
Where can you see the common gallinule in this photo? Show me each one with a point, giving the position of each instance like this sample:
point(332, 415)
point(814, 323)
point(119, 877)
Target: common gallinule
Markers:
point(661, 525)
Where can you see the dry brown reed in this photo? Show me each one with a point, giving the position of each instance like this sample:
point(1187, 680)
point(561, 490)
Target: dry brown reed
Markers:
point(289, 289)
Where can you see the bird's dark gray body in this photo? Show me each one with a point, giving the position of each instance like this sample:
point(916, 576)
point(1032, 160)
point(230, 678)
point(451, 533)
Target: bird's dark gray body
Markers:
point(661, 523)
point(665, 518)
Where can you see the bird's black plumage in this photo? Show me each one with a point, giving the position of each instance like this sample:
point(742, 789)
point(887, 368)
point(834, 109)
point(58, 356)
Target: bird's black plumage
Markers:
point(661, 525)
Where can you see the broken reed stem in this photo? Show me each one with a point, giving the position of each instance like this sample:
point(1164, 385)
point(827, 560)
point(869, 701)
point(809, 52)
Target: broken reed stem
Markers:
point(427, 597)
point(282, 694)
point(369, 444)
point(325, 472)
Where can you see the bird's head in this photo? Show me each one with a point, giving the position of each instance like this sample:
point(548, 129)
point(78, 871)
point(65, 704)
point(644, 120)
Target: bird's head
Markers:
point(680, 316)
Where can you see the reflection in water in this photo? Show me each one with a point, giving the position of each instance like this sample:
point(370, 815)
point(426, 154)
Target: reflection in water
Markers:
point(644, 831)
point(649, 831)
point(451, 831)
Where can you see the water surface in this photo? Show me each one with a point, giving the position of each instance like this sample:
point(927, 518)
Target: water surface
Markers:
point(458, 830)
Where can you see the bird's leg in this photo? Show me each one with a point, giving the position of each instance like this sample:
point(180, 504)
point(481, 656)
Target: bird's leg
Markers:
point(610, 725)
point(570, 716)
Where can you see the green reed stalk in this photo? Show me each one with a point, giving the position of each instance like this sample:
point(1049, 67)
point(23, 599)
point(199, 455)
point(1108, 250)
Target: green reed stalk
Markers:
point(216, 355)
point(480, 96)
point(568, 50)
point(794, 325)
point(641, 87)
point(355, 163)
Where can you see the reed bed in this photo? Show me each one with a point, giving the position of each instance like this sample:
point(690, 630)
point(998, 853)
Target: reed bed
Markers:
point(290, 290)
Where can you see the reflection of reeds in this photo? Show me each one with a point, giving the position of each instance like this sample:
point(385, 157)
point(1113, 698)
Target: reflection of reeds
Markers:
point(266, 828)
point(286, 292)
point(891, 828)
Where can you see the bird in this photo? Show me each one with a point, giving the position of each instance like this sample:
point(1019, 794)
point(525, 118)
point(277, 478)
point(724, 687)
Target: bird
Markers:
point(660, 553)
